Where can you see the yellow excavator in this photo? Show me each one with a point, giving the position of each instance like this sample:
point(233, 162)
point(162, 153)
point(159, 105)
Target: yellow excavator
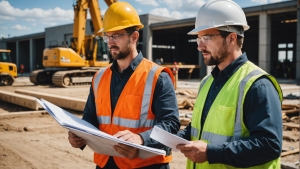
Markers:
point(76, 65)
point(8, 70)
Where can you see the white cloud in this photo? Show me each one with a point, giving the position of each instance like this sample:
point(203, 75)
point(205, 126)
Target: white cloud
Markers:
point(8, 18)
point(260, 1)
point(176, 14)
point(147, 2)
point(183, 5)
point(19, 27)
point(3, 36)
point(166, 13)
point(3, 27)
point(50, 23)
point(8, 12)
point(139, 10)
point(160, 12)
point(33, 24)
point(30, 20)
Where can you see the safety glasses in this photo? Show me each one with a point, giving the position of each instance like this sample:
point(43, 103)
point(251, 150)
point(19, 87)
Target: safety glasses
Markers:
point(205, 39)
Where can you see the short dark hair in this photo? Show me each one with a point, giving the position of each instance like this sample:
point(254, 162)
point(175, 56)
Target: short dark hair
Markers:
point(131, 30)
point(239, 40)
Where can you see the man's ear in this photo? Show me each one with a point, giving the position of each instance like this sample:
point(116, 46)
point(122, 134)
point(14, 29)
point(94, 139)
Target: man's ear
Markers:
point(232, 38)
point(135, 36)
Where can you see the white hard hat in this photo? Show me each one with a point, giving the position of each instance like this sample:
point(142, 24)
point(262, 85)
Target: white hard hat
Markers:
point(222, 15)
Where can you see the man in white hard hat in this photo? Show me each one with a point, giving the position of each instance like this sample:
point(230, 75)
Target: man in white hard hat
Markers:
point(237, 120)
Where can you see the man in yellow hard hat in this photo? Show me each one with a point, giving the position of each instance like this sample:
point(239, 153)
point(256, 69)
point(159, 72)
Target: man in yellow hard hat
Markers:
point(129, 97)
point(237, 119)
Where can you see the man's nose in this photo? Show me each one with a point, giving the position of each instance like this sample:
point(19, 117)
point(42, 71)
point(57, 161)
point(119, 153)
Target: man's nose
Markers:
point(201, 46)
point(110, 41)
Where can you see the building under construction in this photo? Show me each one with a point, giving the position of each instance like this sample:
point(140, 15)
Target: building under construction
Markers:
point(272, 42)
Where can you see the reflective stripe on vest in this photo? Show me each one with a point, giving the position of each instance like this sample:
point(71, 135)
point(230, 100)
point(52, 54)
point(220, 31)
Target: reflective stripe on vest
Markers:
point(202, 84)
point(104, 119)
point(217, 138)
point(143, 122)
point(194, 132)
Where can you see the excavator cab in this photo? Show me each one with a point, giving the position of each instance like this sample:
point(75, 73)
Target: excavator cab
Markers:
point(8, 70)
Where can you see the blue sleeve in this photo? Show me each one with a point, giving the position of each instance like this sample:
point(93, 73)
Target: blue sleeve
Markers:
point(263, 119)
point(165, 109)
point(89, 112)
point(185, 133)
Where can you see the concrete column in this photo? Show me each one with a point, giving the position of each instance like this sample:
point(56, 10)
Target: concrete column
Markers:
point(147, 43)
point(147, 40)
point(17, 55)
point(202, 70)
point(31, 48)
point(298, 46)
point(264, 58)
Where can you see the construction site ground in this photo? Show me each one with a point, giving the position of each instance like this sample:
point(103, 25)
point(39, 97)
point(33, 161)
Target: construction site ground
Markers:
point(37, 141)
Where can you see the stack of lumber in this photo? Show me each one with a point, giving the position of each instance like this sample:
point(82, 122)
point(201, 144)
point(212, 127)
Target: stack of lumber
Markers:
point(188, 99)
point(290, 118)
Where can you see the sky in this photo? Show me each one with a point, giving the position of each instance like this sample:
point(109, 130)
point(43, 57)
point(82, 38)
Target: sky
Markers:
point(23, 17)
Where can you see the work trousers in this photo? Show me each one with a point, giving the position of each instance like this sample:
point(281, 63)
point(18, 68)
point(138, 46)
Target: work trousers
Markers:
point(112, 165)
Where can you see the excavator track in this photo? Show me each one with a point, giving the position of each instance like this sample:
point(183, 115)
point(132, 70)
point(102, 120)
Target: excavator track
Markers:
point(39, 77)
point(73, 77)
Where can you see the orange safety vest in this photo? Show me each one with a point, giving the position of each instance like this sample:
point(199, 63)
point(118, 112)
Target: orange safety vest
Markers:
point(132, 112)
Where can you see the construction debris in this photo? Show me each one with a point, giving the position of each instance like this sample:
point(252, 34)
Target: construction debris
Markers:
point(290, 152)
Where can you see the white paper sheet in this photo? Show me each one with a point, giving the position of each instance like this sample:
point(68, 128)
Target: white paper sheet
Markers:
point(98, 141)
point(167, 138)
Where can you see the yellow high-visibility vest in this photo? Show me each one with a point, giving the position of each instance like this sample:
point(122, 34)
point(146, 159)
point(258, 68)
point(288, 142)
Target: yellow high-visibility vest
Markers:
point(224, 122)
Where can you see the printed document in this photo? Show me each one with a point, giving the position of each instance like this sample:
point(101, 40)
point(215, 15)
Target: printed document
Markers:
point(99, 142)
point(167, 138)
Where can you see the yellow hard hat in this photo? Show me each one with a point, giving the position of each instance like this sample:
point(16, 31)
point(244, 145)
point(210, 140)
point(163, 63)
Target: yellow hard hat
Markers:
point(120, 15)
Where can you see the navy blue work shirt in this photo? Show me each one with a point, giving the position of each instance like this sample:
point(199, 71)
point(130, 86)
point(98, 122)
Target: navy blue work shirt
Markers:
point(261, 114)
point(164, 104)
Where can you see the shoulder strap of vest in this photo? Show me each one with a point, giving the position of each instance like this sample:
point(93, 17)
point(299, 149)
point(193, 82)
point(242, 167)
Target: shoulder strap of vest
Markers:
point(97, 79)
point(203, 82)
point(238, 120)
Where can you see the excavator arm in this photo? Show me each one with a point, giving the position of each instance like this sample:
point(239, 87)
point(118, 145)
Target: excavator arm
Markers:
point(80, 10)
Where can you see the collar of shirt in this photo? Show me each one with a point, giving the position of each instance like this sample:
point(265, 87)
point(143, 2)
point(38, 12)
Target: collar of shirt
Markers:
point(133, 65)
point(230, 69)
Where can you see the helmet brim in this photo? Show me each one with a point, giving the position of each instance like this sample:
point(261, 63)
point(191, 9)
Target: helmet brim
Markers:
point(201, 28)
point(116, 28)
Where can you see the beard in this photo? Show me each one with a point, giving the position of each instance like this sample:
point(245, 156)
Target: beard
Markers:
point(222, 54)
point(122, 53)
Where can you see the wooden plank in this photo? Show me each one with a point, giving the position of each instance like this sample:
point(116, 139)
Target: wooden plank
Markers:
point(290, 152)
point(289, 106)
point(291, 111)
point(291, 125)
point(59, 100)
point(19, 99)
point(24, 113)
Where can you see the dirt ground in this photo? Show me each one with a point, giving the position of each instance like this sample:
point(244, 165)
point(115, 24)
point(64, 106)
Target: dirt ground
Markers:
point(37, 141)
